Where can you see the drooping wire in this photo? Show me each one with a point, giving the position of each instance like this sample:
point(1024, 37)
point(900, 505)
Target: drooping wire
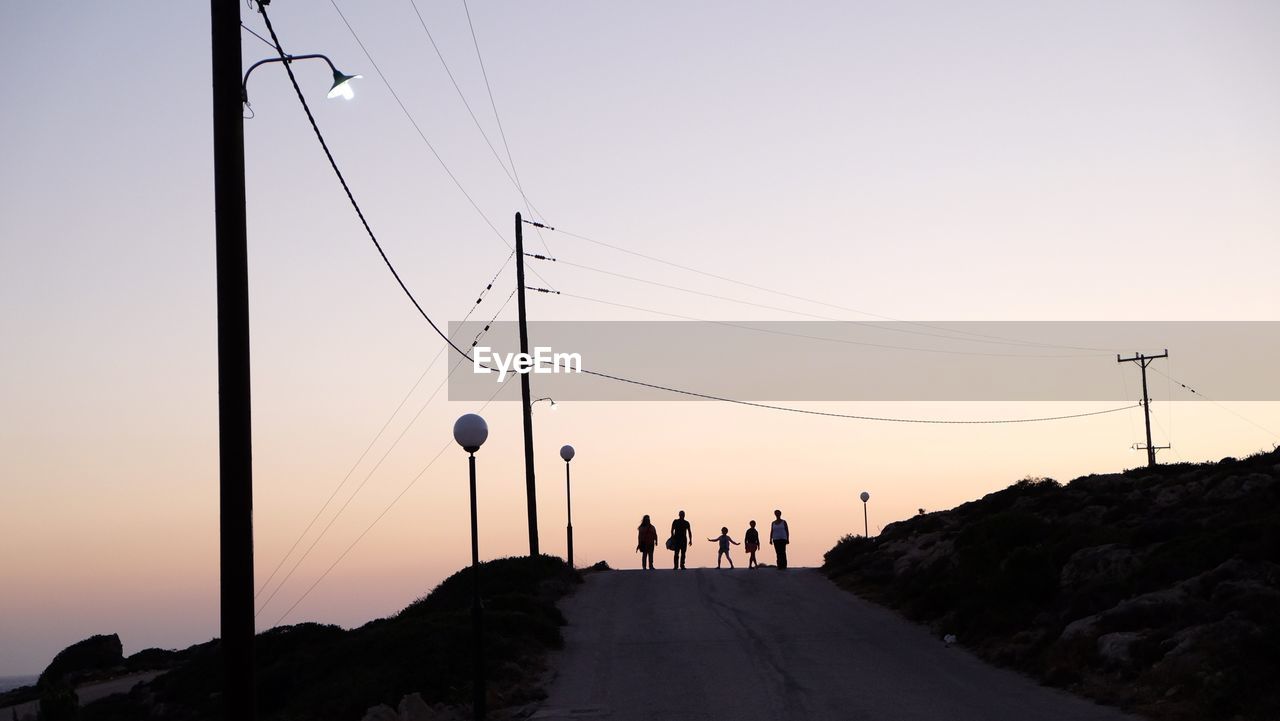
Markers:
point(1226, 408)
point(346, 188)
point(851, 416)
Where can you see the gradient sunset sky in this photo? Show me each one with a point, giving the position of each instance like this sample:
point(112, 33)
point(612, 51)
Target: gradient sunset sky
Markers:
point(925, 160)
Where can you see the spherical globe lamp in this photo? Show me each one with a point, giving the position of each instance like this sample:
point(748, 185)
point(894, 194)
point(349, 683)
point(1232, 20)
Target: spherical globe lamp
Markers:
point(566, 452)
point(470, 431)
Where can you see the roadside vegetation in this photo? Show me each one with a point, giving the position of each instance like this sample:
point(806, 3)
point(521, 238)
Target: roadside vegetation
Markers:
point(325, 673)
point(1156, 589)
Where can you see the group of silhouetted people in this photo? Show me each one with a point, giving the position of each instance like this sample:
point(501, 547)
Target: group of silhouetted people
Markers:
point(682, 537)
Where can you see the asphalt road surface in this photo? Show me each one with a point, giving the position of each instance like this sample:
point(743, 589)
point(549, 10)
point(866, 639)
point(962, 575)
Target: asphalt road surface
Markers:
point(777, 645)
point(85, 693)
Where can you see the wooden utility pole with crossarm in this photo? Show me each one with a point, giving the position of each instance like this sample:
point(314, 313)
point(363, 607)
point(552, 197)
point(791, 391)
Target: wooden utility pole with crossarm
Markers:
point(1143, 361)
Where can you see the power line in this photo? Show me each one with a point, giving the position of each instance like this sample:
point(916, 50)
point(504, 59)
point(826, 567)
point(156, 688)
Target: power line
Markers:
point(377, 465)
point(409, 294)
point(412, 121)
point(753, 286)
point(789, 409)
point(381, 515)
point(1124, 385)
point(489, 286)
point(1168, 437)
point(324, 531)
point(486, 327)
point(251, 32)
point(498, 119)
point(704, 294)
point(418, 128)
point(373, 442)
point(873, 326)
point(346, 188)
point(341, 179)
point(1193, 391)
point(844, 341)
point(345, 478)
point(515, 182)
point(462, 96)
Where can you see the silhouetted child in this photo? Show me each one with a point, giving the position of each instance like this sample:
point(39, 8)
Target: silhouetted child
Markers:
point(752, 541)
point(724, 541)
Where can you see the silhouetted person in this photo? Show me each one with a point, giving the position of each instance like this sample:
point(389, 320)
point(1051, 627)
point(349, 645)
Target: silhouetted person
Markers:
point(648, 538)
point(681, 537)
point(780, 536)
point(724, 541)
point(751, 543)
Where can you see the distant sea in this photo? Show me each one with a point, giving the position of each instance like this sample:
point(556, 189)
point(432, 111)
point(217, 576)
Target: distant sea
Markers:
point(9, 683)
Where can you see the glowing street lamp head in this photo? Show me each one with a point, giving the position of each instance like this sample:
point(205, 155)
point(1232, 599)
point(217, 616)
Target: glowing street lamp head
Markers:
point(342, 85)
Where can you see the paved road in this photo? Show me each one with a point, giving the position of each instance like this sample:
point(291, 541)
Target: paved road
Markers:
point(768, 644)
point(85, 692)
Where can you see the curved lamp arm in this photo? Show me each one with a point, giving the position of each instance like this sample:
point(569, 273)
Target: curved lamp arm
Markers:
point(340, 80)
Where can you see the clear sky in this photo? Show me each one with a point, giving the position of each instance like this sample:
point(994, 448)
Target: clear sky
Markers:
point(923, 160)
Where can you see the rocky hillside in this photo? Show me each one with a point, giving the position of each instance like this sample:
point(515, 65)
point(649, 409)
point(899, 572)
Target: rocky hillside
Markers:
point(1157, 590)
point(326, 673)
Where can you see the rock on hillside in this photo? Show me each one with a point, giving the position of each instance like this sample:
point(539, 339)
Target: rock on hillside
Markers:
point(93, 655)
point(420, 657)
point(1154, 589)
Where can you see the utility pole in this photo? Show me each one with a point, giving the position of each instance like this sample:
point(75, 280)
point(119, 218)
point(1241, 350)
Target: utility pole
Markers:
point(1143, 361)
point(235, 439)
point(531, 487)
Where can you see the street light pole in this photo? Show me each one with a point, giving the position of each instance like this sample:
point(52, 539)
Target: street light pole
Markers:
point(566, 452)
point(470, 431)
point(235, 438)
point(235, 434)
point(866, 528)
point(477, 613)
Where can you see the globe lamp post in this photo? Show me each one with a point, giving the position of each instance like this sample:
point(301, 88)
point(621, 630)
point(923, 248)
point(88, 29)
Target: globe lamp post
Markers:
point(470, 431)
point(566, 452)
